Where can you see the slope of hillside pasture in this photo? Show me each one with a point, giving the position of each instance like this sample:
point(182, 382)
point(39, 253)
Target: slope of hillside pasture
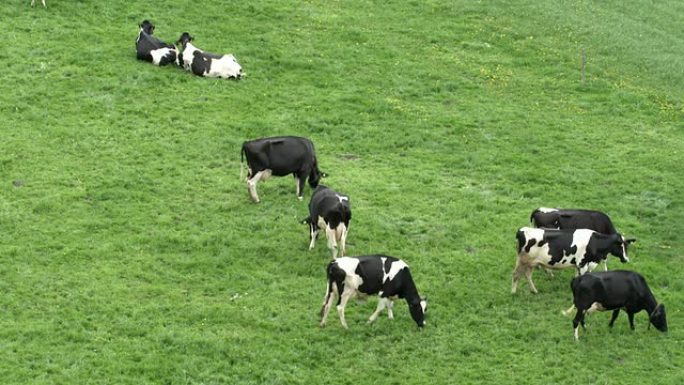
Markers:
point(130, 252)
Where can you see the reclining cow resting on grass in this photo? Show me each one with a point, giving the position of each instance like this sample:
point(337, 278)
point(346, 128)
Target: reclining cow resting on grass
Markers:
point(207, 64)
point(151, 49)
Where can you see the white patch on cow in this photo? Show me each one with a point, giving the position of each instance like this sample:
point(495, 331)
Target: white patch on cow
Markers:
point(423, 305)
point(580, 238)
point(297, 186)
point(547, 210)
point(624, 252)
point(395, 268)
point(188, 55)
point(225, 67)
point(577, 333)
point(595, 307)
point(342, 198)
point(160, 53)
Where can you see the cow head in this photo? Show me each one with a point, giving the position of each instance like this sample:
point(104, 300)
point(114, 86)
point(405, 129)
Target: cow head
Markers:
point(147, 27)
point(234, 67)
point(184, 39)
point(619, 247)
point(315, 176)
point(658, 319)
point(418, 310)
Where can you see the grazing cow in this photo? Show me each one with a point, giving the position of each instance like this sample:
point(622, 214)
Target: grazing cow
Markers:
point(33, 2)
point(331, 211)
point(615, 290)
point(207, 64)
point(279, 156)
point(151, 49)
point(388, 277)
point(575, 219)
point(582, 249)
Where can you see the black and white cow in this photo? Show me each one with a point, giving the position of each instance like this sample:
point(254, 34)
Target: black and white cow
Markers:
point(207, 64)
point(280, 156)
point(551, 218)
point(388, 277)
point(151, 49)
point(615, 290)
point(331, 211)
point(582, 249)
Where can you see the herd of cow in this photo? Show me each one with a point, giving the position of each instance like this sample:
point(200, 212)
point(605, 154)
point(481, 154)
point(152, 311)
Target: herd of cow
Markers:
point(191, 58)
point(580, 239)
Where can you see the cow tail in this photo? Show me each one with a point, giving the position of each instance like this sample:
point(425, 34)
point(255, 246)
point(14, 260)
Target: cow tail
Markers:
point(532, 215)
point(329, 290)
point(242, 160)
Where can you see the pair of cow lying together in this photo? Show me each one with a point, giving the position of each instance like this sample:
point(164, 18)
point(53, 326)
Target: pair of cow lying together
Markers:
point(582, 239)
point(386, 276)
point(191, 58)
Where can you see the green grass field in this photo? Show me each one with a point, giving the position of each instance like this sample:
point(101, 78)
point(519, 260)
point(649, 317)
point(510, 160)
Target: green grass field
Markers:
point(130, 252)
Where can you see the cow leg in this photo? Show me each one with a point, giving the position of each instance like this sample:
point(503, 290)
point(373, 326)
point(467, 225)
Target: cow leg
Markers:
point(613, 317)
point(528, 275)
point(332, 242)
point(297, 184)
point(327, 304)
point(301, 179)
point(390, 306)
point(313, 234)
point(630, 316)
point(605, 264)
point(343, 241)
point(517, 272)
point(382, 303)
point(251, 185)
point(570, 309)
point(344, 298)
point(579, 318)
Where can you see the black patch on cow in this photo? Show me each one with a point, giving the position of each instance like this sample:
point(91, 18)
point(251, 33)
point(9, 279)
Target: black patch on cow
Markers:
point(529, 245)
point(572, 261)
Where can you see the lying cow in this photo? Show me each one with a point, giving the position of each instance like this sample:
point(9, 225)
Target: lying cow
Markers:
point(151, 49)
point(582, 249)
point(207, 64)
point(280, 156)
point(575, 219)
point(332, 212)
point(388, 277)
point(615, 290)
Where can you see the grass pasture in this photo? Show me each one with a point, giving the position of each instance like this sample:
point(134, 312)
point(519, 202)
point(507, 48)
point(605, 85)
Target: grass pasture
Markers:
point(130, 252)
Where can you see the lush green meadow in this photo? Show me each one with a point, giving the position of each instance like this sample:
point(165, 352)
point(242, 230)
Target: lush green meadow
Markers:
point(130, 252)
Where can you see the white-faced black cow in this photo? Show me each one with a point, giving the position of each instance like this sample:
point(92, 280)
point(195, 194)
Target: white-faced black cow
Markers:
point(207, 64)
point(582, 249)
point(331, 211)
point(615, 290)
point(388, 277)
point(151, 49)
point(280, 156)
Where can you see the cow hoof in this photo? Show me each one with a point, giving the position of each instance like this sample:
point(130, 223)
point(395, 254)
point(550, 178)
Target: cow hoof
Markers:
point(322, 324)
point(300, 198)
